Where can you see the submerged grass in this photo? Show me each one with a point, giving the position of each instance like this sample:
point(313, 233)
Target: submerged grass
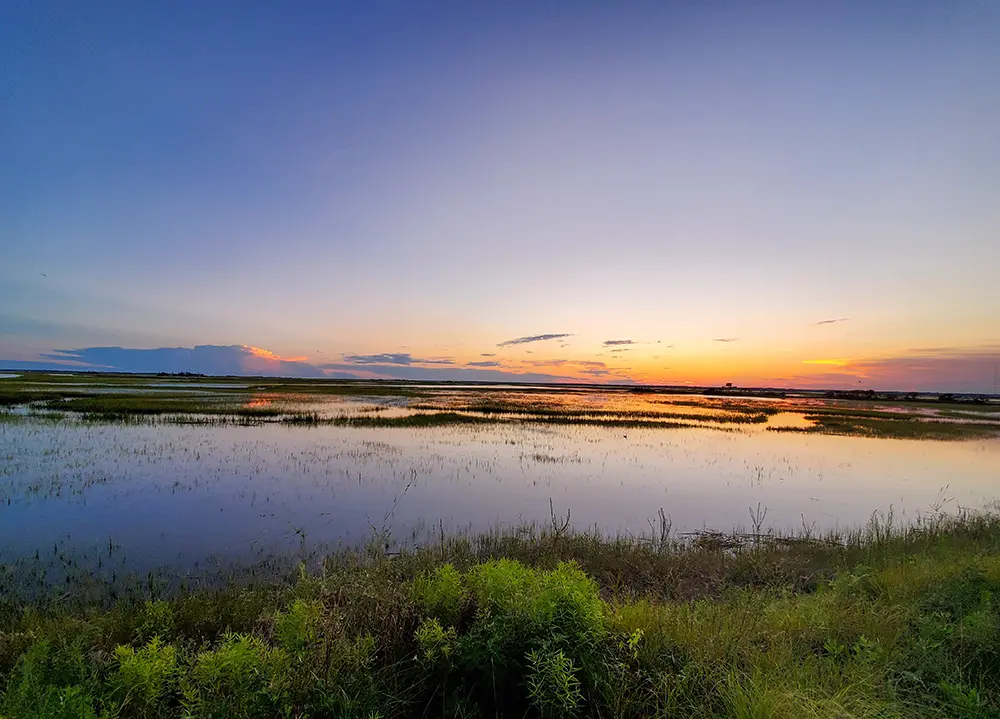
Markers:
point(884, 621)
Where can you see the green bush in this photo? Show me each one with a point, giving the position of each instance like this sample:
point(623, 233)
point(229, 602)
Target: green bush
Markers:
point(552, 684)
point(440, 594)
point(51, 683)
point(535, 636)
point(298, 627)
point(243, 678)
point(145, 677)
point(157, 621)
point(436, 643)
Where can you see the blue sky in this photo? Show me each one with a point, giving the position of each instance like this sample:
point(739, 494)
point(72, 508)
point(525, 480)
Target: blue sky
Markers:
point(328, 180)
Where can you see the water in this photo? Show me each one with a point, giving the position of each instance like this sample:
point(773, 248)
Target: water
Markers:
point(175, 494)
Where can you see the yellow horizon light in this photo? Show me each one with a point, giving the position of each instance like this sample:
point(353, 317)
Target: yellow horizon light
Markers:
point(828, 362)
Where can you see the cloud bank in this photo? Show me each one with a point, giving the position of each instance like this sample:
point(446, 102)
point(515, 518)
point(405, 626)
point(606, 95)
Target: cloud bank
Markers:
point(248, 361)
point(932, 369)
point(203, 359)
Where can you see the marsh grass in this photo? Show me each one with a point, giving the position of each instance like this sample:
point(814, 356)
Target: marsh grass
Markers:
point(254, 400)
point(557, 414)
point(893, 428)
point(880, 621)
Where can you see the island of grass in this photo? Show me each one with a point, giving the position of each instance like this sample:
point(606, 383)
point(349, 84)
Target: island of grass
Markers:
point(882, 622)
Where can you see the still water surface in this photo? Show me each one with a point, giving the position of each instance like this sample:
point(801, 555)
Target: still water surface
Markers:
point(169, 494)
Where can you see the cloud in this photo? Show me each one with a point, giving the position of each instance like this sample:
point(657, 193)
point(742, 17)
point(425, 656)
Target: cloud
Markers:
point(956, 369)
point(610, 343)
point(400, 358)
point(726, 339)
point(488, 354)
point(444, 374)
point(246, 360)
point(563, 362)
point(831, 322)
point(933, 369)
point(590, 368)
point(620, 349)
point(204, 359)
point(533, 338)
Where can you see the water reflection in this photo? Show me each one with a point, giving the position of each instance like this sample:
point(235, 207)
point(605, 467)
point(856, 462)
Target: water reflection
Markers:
point(168, 493)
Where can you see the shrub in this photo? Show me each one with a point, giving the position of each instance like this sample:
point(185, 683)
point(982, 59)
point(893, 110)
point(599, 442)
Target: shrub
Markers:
point(145, 677)
point(552, 684)
point(297, 628)
point(440, 594)
point(50, 683)
point(157, 621)
point(243, 677)
point(535, 638)
point(436, 643)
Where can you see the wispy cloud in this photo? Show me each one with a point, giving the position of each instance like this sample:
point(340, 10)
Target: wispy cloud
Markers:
point(726, 339)
point(832, 322)
point(611, 343)
point(534, 338)
point(484, 363)
point(620, 349)
point(398, 358)
point(588, 368)
point(583, 364)
point(447, 374)
point(488, 354)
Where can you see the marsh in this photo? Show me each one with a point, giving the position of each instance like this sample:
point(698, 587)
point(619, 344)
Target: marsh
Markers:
point(175, 472)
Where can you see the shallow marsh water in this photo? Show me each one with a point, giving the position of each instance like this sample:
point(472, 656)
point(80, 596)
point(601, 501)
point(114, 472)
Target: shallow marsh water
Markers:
point(160, 493)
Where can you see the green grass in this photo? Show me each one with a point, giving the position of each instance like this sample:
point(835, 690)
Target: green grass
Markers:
point(882, 622)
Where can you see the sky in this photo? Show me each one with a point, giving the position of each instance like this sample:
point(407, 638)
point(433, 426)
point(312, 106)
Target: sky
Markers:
point(796, 194)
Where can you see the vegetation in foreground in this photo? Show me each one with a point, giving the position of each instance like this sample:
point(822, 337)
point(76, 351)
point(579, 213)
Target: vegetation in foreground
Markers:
point(881, 622)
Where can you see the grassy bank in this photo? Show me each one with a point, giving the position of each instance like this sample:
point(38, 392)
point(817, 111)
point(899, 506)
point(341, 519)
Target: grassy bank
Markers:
point(880, 622)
